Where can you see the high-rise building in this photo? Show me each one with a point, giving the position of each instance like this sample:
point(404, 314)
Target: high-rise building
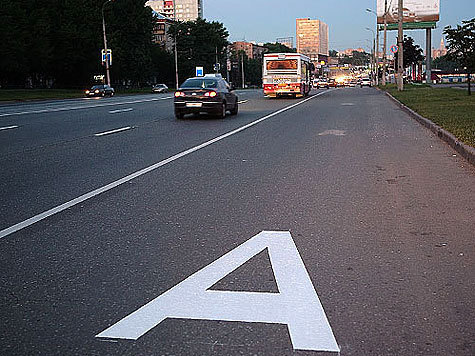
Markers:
point(312, 38)
point(185, 10)
point(441, 51)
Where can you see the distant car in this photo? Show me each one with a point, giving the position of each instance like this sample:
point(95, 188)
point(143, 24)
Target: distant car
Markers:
point(332, 83)
point(100, 90)
point(365, 82)
point(159, 88)
point(210, 94)
point(353, 83)
point(323, 83)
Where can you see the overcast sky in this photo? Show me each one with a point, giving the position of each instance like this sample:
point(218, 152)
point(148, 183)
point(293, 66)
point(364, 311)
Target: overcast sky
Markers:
point(265, 20)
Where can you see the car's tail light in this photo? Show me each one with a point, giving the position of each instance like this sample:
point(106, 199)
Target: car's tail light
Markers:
point(179, 93)
point(96, 91)
point(210, 94)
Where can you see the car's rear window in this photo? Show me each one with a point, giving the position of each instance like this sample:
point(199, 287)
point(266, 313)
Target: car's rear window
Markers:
point(200, 83)
point(97, 87)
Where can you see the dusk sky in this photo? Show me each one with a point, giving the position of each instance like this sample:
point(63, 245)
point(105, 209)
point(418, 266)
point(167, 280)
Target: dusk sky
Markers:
point(265, 20)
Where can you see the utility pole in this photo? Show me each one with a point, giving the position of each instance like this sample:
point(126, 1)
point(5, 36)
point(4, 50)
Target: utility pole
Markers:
point(383, 80)
point(176, 52)
point(105, 43)
point(242, 69)
point(400, 43)
point(428, 56)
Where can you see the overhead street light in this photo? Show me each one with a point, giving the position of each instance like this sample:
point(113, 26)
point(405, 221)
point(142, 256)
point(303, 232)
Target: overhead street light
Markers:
point(105, 42)
point(373, 71)
point(376, 54)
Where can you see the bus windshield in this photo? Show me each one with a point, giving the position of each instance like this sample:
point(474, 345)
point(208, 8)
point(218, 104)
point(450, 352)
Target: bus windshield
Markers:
point(282, 64)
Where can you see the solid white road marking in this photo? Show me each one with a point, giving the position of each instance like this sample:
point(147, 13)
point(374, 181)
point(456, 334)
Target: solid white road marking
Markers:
point(8, 128)
point(113, 131)
point(84, 197)
point(83, 107)
point(297, 304)
point(120, 110)
point(243, 101)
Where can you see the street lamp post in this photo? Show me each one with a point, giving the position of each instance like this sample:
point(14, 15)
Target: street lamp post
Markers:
point(377, 46)
point(175, 48)
point(385, 40)
point(105, 42)
point(375, 70)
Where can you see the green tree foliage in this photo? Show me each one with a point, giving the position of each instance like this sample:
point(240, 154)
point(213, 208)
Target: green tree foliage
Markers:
point(413, 54)
point(198, 44)
point(59, 42)
point(333, 53)
point(278, 48)
point(461, 46)
point(445, 63)
point(356, 59)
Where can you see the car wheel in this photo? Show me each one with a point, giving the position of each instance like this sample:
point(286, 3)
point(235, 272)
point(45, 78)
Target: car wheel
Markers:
point(222, 114)
point(179, 115)
point(235, 110)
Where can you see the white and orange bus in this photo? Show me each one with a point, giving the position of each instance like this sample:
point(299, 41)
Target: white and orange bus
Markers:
point(287, 74)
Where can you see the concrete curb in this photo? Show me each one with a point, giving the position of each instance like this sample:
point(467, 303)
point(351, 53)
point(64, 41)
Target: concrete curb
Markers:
point(466, 151)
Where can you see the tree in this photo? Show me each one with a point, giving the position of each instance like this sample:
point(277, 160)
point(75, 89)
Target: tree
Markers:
point(198, 44)
point(278, 48)
point(444, 63)
point(413, 54)
point(461, 46)
point(333, 53)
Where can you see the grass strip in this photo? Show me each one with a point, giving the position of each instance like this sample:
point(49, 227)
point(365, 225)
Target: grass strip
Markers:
point(451, 109)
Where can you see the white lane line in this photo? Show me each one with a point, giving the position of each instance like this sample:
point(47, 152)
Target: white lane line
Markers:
point(84, 197)
point(243, 101)
point(121, 110)
point(112, 131)
point(8, 128)
point(82, 107)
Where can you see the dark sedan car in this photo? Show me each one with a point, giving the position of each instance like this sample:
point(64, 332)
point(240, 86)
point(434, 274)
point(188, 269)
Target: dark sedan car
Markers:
point(100, 90)
point(159, 88)
point(210, 95)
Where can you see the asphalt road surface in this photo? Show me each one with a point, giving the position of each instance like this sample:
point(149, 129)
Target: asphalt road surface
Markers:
point(108, 204)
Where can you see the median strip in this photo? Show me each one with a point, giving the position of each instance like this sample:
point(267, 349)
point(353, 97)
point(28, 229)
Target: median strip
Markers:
point(112, 131)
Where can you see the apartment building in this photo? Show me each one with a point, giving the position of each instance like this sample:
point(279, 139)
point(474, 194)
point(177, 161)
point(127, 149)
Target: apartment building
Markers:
point(312, 38)
point(185, 10)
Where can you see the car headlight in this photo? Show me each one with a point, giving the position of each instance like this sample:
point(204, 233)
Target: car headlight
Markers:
point(87, 91)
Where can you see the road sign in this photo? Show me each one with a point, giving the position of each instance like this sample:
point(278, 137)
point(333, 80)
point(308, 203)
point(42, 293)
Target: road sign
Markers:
point(394, 49)
point(295, 305)
point(217, 67)
point(108, 57)
point(199, 72)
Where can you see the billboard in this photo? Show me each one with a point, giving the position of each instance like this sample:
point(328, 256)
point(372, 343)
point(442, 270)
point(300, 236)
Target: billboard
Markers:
point(414, 11)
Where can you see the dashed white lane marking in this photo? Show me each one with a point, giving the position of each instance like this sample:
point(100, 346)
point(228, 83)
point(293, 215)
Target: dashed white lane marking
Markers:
point(243, 101)
point(8, 128)
point(112, 131)
point(347, 104)
point(121, 110)
point(82, 107)
point(332, 132)
point(87, 196)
